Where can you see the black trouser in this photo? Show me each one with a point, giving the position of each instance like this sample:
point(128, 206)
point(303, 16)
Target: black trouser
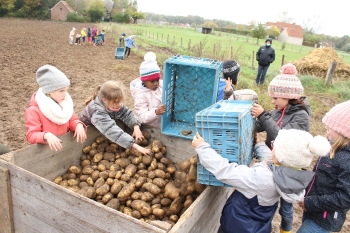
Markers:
point(127, 50)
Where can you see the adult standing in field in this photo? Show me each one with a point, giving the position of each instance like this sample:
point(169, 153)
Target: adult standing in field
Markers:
point(265, 56)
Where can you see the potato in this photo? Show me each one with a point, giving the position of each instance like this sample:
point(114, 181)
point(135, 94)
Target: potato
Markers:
point(126, 191)
point(110, 181)
point(193, 160)
point(141, 166)
point(94, 166)
point(160, 173)
point(90, 181)
point(102, 190)
point(69, 176)
point(171, 191)
point(125, 177)
point(87, 170)
point(163, 150)
point(159, 213)
point(83, 157)
point(113, 203)
point(130, 170)
point(127, 211)
point(136, 214)
point(165, 161)
point(173, 218)
point(116, 187)
point(142, 207)
point(151, 174)
point(128, 203)
point(107, 197)
point(192, 174)
point(142, 142)
point(124, 155)
point(111, 174)
point(88, 192)
point(123, 162)
point(156, 146)
point(152, 188)
point(103, 174)
point(111, 149)
point(147, 196)
point(159, 182)
point(136, 176)
point(165, 202)
point(176, 205)
point(74, 188)
point(85, 162)
point(101, 167)
point(156, 201)
point(109, 156)
point(143, 173)
point(184, 165)
point(158, 155)
point(95, 175)
point(140, 181)
point(161, 167)
point(99, 182)
point(83, 177)
point(136, 161)
point(92, 152)
point(199, 188)
point(100, 139)
point(118, 174)
point(146, 135)
point(188, 201)
point(114, 167)
point(171, 169)
point(147, 159)
point(153, 165)
point(87, 149)
point(83, 184)
point(58, 180)
point(167, 211)
point(135, 196)
point(94, 145)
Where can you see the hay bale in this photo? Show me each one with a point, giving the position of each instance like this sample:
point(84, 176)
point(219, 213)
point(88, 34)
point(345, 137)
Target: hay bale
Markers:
point(317, 61)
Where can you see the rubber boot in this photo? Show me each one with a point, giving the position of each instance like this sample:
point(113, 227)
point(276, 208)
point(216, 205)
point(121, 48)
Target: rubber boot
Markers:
point(283, 231)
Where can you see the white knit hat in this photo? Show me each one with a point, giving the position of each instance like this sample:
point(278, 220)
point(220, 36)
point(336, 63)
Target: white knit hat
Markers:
point(295, 148)
point(51, 79)
point(149, 69)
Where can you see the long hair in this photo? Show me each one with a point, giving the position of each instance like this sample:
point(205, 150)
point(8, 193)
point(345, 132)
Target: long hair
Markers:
point(339, 144)
point(110, 91)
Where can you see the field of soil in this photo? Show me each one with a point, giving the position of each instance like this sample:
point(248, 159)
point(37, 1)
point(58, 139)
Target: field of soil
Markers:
point(29, 44)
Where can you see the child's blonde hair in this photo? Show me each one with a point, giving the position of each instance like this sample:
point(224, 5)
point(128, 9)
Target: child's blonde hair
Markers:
point(339, 144)
point(110, 91)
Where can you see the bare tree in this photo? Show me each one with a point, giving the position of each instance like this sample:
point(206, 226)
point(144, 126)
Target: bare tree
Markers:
point(284, 17)
point(311, 25)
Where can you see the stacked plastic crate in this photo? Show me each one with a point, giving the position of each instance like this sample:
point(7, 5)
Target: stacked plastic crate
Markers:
point(190, 84)
point(228, 127)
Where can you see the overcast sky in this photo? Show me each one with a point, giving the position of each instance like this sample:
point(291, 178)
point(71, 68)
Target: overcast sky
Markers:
point(332, 16)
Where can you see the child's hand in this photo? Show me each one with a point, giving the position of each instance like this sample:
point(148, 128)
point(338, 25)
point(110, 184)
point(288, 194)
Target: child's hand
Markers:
point(80, 133)
point(301, 204)
point(161, 109)
point(228, 84)
point(257, 110)
point(197, 140)
point(141, 149)
point(53, 141)
point(137, 134)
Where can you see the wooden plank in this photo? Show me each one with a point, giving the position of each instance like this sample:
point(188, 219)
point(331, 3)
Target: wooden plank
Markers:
point(6, 219)
point(62, 204)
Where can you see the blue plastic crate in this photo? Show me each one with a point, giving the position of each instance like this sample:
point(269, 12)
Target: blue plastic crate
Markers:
point(119, 53)
point(190, 84)
point(228, 127)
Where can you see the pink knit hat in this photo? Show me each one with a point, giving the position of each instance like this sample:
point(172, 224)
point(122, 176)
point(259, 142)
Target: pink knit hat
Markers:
point(338, 119)
point(286, 84)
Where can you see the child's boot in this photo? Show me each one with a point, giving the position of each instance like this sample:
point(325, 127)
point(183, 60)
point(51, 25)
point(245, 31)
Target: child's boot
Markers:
point(283, 231)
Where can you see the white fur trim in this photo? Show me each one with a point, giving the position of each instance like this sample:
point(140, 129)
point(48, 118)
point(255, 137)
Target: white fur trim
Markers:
point(57, 113)
point(319, 146)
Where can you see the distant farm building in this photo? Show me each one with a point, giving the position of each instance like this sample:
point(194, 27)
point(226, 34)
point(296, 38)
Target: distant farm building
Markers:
point(61, 10)
point(289, 33)
point(207, 30)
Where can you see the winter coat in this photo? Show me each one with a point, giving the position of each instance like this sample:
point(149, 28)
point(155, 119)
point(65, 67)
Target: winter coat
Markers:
point(96, 114)
point(129, 43)
point(327, 198)
point(222, 93)
point(265, 55)
point(146, 102)
point(83, 33)
point(294, 117)
point(37, 124)
point(261, 187)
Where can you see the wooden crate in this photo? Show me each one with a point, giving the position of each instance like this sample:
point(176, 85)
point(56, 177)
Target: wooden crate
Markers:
point(31, 202)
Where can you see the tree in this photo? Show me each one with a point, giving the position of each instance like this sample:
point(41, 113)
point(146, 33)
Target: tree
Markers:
point(311, 25)
point(121, 17)
point(137, 15)
point(273, 31)
point(341, 42)
point(284, 17)
point(210, 24)
point(347, 48)
point(96, 10)
point(259, 32)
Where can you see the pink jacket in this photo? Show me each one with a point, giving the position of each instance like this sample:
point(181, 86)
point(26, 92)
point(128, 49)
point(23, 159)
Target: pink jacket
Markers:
point(146, 102)
point(37, 124)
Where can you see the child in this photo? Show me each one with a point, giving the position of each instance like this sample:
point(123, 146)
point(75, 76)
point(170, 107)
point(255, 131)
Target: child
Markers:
point(147, 92)
point(93, 34)
point(102, 111)
point(252, 205)
point(130, 41)
point(231, 71)
point(71, 36)
point(50, 112)
point(83, 35)
point(292, 111)
point(77, 39)
point(103, 33)
point(327, 197)
point(121, 40)
point(89, 36)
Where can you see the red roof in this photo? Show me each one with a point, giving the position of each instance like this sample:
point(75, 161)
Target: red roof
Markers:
point(293, 30)
point(66, 5)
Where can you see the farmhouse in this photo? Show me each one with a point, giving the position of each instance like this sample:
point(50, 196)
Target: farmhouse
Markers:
point(60, 11)
point(289, 33)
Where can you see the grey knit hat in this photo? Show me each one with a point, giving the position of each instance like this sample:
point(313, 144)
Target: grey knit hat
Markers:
point(50, 79)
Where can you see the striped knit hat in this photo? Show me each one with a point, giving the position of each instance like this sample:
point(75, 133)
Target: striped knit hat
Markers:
point(286, 84)
point(149, 70)
point(338, 119)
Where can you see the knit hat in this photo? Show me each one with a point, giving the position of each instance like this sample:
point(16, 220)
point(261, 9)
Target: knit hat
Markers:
point(286, 84)
point(268, 39)
point(231, 69)
point(338, 119)
point(295, 148)
point(50, 79)
point(149, 70)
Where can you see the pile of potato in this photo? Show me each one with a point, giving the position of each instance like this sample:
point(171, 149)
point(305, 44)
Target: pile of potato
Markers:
point(147, 187)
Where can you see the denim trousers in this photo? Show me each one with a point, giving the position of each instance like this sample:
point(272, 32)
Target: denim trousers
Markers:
point(308, 226)
point(286, 211)
point(260, 78)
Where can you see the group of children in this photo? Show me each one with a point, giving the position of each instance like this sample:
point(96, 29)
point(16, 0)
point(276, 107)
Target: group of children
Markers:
point(92, 36)
point(279, 176)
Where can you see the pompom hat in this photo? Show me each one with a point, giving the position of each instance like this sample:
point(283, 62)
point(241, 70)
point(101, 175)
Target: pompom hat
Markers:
point(296, 148)
point(149, 69)
point(231, 69)
point(338, 119)
point(286, 84)
point(50, 79)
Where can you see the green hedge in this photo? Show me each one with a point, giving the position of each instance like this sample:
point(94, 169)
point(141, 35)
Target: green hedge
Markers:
point(233, 31)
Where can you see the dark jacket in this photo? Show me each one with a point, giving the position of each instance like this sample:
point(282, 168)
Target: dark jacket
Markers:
point(294, 117)
point(330, 191)
point(96, 114)
point(265, 55)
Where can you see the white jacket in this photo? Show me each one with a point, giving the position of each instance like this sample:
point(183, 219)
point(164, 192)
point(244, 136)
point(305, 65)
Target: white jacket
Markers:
point(146, 102)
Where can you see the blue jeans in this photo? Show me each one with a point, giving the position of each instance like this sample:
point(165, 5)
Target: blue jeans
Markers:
point(260, 78)
point(286, 211)
point(308, 226)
